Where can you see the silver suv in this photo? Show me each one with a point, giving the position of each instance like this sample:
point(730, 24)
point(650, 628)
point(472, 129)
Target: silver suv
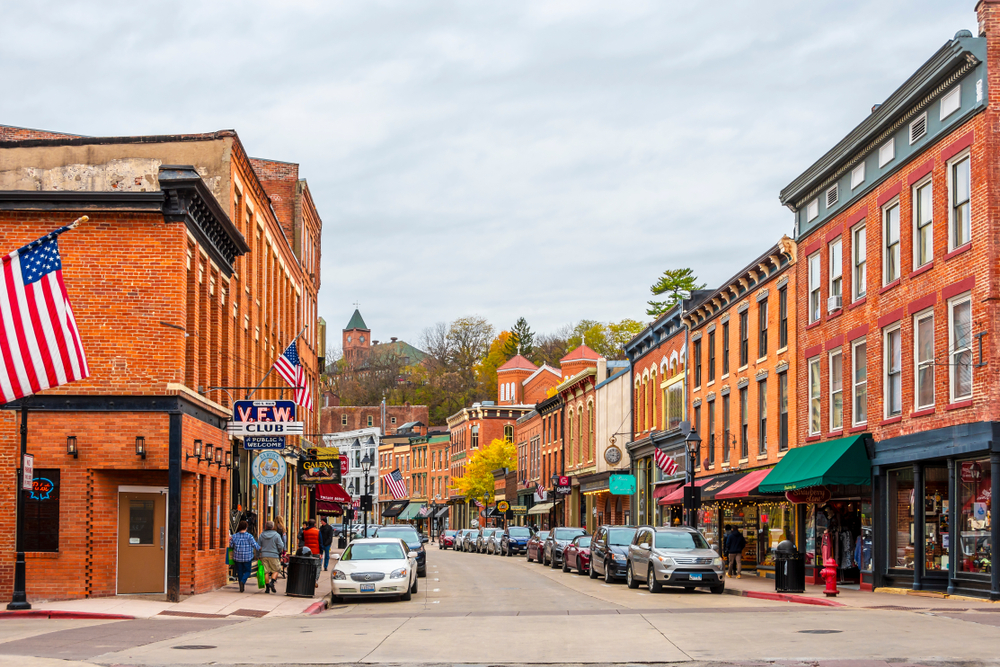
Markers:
point(673, 557)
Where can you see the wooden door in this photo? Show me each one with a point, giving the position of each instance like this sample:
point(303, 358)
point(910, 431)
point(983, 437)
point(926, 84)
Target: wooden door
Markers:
point(142, 542)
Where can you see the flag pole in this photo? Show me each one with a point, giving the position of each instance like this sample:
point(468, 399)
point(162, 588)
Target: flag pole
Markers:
point(297, 336)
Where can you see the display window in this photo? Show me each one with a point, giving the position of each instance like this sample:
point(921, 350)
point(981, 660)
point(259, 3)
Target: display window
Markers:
point(776, 523)
point(900, 494)
point(851, 535)
point(744, 519)
point(708, 524)
point(935, 519)
point(974, 516)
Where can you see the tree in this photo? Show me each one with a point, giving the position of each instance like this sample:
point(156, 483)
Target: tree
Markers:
point(486, 370)
point(607, 339)
point(677, 284)
point(521, 340)
point(553, 346)
point(478, 479)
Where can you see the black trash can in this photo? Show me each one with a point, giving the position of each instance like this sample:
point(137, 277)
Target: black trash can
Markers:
point(301, 581)
point(342, 541)
point(789, 569)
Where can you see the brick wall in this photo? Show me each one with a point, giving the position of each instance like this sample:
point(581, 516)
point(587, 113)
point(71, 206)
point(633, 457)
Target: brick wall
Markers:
point(11, 133)
point(332, 417)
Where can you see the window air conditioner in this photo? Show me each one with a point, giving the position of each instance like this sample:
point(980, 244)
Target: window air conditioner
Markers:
point(834, 303)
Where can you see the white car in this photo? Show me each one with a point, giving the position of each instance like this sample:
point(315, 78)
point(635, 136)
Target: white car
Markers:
point(375, 568)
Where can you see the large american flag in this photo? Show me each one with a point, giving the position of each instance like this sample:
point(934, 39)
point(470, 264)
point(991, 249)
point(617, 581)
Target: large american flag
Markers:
point(397, 487)
point(665, 463)
point(40, 344)
point(288, 367)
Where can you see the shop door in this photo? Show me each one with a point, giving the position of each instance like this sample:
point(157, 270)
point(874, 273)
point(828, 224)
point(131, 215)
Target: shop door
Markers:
point(142, 539)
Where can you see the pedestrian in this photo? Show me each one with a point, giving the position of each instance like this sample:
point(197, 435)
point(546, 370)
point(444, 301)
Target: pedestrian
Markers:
point(271, 546)
point(311, 539)
point(305, 524)
point(725, 545)
point(736, 543)
point(244, 547)
point(279, 526)
point(326, 541)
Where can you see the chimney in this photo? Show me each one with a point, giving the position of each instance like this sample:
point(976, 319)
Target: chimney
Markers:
point(602, 370)
point(393, 339)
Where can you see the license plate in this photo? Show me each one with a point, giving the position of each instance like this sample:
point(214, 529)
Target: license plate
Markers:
point(370, 588)
point(692, 577)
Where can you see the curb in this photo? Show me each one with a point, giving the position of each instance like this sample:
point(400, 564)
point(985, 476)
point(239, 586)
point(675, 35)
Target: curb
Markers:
point(316, 607)
point(785, 597)
point(51, 613)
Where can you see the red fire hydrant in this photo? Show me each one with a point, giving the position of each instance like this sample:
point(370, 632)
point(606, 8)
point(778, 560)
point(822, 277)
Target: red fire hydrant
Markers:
point(829, 571)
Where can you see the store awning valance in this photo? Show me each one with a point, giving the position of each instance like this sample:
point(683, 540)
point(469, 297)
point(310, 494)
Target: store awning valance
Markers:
point(329, 509)
point(442, 513)
point(664, 490)
point(394, 508)
point(332, 493)
point(541, 508)
point(410, 512)
point(836, 462)
point(676, 497)
point(744, 486)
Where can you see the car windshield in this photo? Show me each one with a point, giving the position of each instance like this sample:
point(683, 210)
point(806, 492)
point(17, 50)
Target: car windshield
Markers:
point(489, 531)
point(583, 542)
point(450, 533)
point(620, 537)
point(542, 534)
point(407, 534)
point(680, 540)
point(519, 532)
point(567, 533)
point(374, 551)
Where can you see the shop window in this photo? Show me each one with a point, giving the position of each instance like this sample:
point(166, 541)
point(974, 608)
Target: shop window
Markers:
point(41, 511)
point(726, 438)
point(923, 348)
point(776, 523)
point(859, 382)
point(744, 425)
point(744, 338)
point(892, 353)
point(900, 495)
point(783, 412)
point(725, 348)
point(836, 390)
point(762, 414)
point(960, 347)
point(974, 520)
point(711, 356)
point(923, 227)
point(859, 267)
point(959, 183)
point(814, 397)
point(935, 518)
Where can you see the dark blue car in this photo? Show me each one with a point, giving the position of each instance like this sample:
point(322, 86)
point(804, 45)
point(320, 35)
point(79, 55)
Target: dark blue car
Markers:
point(515, 540)
point(414, 540)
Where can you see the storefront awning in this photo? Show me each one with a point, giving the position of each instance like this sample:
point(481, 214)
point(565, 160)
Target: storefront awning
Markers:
point(332, 493)
point(541, 508)
point(442, 513)
point(426, 511)
point(394, 508)
point(718, 484)
point(410, 512)
point(329, 509)
point(842, 461)
point(744, 486)
point(664, 490)
point(677, 496)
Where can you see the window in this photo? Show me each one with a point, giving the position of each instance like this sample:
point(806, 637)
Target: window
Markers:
point(725, 429)
point(725, 348)
point(41, 513)
point(890, 248)
point(475, 436)
point(918, 128)
point(951, 102)
point(836, 390)
point(923, 351)
point(744, 421)
point(711, 433)
point(711, 356)
point(592, 445)
point(343, 420)
point(858, 175)
point(960, 347)
point(886, 153)
point(393, 420)
point(814, 288)
point(697, 363)
point(836, 275)
point(812, 210)
point(923, 231)
point(675, 404)
point(892, 353)
point(814, 394)
point(783, 318)
point(744, 338)
point(762, 414)
point(832, 196)
point(371, 420)
point(860, 263)
point(696, 424)
point(783, 411)
point(762, 323)
point(960, 230)
point(508, 433)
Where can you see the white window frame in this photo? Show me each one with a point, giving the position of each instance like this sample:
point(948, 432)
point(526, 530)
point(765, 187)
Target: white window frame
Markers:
point(836, 268)
point(918, 363)
point(952, 163)
point(953, 95)
point(859, 287)
point(886, 210)
point(886, 367)
point(817, 290)
point(953, 352)
point(835, 389)
point(887, 152)
point(858, 175)
point(815, 400)
point(915, 211)
point(812, 210)
point(856, 383)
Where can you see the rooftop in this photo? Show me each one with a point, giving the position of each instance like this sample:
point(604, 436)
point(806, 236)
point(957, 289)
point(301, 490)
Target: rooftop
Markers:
point(357, 322)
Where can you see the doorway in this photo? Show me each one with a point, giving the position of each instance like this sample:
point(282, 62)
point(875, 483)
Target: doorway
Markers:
point(142, 542)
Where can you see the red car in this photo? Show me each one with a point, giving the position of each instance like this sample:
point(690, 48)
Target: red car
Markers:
point(577, 555)
point(447, 539)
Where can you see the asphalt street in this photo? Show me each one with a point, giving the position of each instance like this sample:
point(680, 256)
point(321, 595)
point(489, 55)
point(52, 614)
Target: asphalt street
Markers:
point(474, 609)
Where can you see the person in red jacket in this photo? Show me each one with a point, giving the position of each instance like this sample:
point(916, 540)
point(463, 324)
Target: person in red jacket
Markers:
point(311, 539)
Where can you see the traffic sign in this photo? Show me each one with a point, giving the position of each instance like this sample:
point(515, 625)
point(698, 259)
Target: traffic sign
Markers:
point(27, 472)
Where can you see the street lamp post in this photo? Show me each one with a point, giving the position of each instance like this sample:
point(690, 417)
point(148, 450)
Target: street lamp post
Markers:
point(366, 465)
point(693, 443)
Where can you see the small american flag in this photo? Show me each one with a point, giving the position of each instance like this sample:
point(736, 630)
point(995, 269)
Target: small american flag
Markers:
point(356, 503)
point(478, 504)
point(397, 487)
point(288, 367)
point(40, 344)
point(665, 463)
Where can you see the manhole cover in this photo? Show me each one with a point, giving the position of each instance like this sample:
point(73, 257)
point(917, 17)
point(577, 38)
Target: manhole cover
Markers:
point(194, 647)
point(819, 632)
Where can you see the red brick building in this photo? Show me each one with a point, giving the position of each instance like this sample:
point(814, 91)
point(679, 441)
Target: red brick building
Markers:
point(520, 382)
point(339, 418)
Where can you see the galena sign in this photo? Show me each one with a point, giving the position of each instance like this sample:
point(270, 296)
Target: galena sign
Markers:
point(264, 418)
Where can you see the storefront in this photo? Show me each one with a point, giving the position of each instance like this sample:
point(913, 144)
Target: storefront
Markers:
point(651, 484)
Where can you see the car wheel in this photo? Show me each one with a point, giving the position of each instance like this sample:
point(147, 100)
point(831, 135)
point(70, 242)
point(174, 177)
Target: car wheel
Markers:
point(335, 599)
point(407, 596)
point(629, 579)
point(415, 585)
point(582, 570)
point(527, 556)
point(591, 571)
point(553, 562)
point(565, 566)
point(718, 590)
point(608, 579)
point(651, 582)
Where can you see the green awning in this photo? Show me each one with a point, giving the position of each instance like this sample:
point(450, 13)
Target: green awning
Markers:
point(842, 461)
point(410, 512)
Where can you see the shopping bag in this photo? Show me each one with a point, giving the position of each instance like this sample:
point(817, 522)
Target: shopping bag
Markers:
point(229, 555)
point(260, 574)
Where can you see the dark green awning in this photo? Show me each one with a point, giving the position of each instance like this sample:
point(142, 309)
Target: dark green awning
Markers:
point(842, 461)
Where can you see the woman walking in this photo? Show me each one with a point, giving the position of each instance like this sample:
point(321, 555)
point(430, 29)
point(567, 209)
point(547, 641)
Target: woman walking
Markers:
point(244, 547)
point(271, 546)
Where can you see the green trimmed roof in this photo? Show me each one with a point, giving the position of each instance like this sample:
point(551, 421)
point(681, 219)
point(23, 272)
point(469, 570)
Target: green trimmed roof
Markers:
point(357, 322)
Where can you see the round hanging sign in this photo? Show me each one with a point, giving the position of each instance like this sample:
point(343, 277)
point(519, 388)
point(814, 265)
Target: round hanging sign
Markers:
point(612, 455)
point(268, 467)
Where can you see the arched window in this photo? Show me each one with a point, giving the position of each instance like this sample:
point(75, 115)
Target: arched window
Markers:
point(508, 433)
point(591, 445)
point(569, 439)
point(638, 407)
point(653, 414)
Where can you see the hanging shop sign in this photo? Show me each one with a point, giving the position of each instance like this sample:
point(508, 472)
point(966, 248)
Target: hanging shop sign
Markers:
point(268, 468)
point(520, 510)
point(320, 471)
point(272, 418)
point(612, 455)
point(325, 452)
point(813, 494)
point(564, 489)
point(261, 442)
point(241, 429)
point(621, 485)
point(503, 506)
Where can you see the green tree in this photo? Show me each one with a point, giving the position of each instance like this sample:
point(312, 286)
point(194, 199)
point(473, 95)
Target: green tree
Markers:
point(478, 479)
point(521, 340)
point(677, 284)
point(486, 370)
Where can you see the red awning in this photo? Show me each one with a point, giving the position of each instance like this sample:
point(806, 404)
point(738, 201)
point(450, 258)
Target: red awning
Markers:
point(745, 486)
point(677, 497)
point(665, 489)
point(335, 509)
point(332, 493)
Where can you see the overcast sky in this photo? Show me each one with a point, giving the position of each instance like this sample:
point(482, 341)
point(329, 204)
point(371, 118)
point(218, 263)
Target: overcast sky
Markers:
point(536, 159)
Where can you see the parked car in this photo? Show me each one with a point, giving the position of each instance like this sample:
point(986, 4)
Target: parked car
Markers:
point(374, 567)
point(483, 538)
point(673, 557)
point(414, 540)
point(447, 539)
point(469, 538)
point(514, 540)
point(556, 542)
point(609, 552)
point(576, 555)
point(533, 548)
point(493, 543)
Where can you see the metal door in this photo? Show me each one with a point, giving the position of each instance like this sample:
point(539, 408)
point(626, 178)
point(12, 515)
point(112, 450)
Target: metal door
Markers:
point(142, 538)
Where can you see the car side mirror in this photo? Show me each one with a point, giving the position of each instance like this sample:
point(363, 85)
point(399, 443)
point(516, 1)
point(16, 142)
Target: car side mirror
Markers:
point(335, 556)
point(412, 554)
point(644, 546)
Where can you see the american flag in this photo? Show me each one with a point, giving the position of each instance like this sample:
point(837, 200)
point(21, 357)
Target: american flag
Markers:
point(665, 463)
point(397, 487)
point(478, 504)
point(540, 491)
point(356, 503)
point(40, 344)
point(288, 367)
